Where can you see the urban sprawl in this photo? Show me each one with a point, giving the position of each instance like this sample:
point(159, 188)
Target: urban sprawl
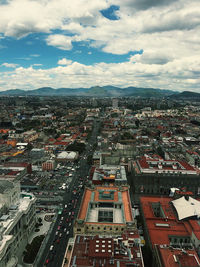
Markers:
point(99, 182)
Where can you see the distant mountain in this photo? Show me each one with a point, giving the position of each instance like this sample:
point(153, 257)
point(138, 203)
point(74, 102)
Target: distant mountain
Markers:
point(187, 95)
point(96, 91)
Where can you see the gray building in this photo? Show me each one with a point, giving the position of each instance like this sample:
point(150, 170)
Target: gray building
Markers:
point(17, 221)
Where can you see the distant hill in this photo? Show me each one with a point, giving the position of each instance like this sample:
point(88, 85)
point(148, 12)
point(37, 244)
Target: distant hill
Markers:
point(96, 91)
point(187, 95)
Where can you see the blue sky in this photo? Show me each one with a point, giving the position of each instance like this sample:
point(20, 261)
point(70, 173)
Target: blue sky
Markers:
point(84, 43)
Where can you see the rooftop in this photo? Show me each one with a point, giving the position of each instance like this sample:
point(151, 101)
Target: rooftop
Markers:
point(151, 164)
point(5, 185)
point(163, 224)
point(187, 207)
point(116, 252)
point(178, 257)
point(104, 199)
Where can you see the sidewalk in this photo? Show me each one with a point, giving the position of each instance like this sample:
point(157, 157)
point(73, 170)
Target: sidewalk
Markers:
point(44, 228)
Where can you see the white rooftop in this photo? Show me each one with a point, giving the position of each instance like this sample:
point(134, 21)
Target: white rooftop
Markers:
point(187, 208)
point(67, 155)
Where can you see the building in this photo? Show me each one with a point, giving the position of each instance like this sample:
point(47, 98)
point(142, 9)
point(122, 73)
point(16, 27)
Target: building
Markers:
point(172, 230)
point(37, 153)
point(48, 165)
point(30, 136)
point(12, 173)
point(95, 251)
point(152, 165)
point(157, 176)
point(67, 156)
point(105, 209)
point(115, 103)
point(110, 174)
point(17, 221)
point(22, 165)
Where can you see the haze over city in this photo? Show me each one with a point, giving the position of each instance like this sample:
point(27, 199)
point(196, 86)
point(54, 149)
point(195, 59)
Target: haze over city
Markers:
point(85, 43)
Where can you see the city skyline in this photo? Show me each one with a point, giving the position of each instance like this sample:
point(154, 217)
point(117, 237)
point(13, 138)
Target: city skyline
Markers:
point(85, 43)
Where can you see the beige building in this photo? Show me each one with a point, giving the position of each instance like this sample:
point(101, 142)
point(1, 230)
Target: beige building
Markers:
point(105, 209)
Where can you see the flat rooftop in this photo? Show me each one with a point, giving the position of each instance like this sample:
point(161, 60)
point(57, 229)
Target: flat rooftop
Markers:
point(111, 252)
point(109, 172)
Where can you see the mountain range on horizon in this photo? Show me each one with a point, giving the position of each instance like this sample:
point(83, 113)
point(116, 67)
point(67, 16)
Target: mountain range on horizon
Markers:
point(104, 91)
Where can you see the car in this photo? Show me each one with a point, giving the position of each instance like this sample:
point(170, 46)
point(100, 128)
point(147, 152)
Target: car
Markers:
point(59, 227)
point(51, 247)
point(58, 241)
point(60, 235)
point(47, 261)
point(67, 232)
point(70, 224)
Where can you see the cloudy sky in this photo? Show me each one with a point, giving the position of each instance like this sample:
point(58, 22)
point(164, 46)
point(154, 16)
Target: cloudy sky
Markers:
point(83, 43)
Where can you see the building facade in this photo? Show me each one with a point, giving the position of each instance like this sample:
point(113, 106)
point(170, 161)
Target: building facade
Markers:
point(17, 221)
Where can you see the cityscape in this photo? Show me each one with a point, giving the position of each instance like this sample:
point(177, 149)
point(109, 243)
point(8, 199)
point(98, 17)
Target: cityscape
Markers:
point(99, 181)
point(99, 133)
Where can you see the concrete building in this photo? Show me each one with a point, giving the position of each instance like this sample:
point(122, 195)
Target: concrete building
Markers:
point(17, 221)
point(105, 209)
point(106, 174)
point(157, 176)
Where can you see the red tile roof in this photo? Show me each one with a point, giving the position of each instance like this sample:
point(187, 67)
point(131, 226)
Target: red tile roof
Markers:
point(161, 228)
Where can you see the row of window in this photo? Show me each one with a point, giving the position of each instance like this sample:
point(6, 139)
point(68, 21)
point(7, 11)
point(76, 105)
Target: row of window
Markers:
point(104, 228)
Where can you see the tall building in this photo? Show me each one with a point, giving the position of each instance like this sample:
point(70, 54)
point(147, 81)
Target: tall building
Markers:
point(17, 221)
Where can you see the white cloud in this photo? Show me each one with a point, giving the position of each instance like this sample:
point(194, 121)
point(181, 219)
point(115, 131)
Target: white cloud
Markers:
point(37, 64)
point(60, 41)
point(9, 65)
point(176, 75)
point(167, 31)
point(64, 61)
point(22, 17)
point(35, 55)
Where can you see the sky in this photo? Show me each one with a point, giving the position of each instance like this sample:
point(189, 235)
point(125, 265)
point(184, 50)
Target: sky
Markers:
point(84, 43)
